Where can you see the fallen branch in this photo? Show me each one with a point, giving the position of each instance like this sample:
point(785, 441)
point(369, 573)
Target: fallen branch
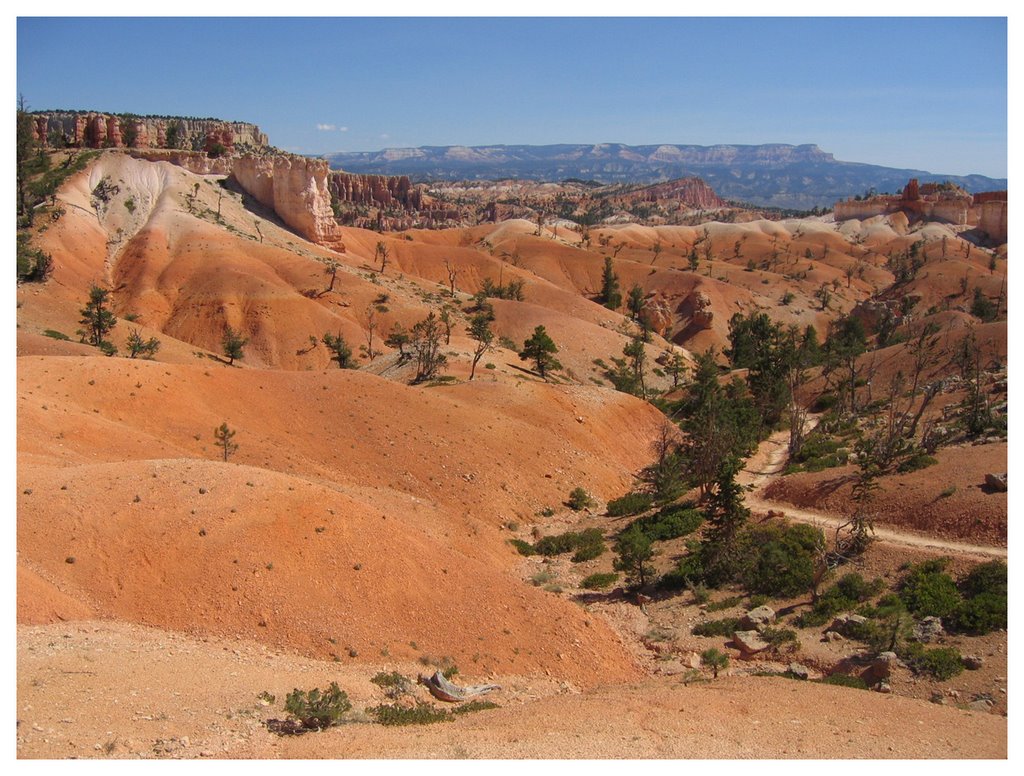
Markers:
point(444, 690)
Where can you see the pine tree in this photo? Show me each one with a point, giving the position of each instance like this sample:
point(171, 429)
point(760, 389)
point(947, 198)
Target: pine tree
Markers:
point(140, 347)
point(634, 550)
point(341, 352)
point(399, 338)
point(480, 331)
point(222, 437)
point(233, 343)
point(540, 349)
point(96, 316)
point(611, 297)
point(426, 343)
point(635, 301)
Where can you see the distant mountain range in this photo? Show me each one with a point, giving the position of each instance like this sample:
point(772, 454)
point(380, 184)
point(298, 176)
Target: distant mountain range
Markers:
point(773, 175)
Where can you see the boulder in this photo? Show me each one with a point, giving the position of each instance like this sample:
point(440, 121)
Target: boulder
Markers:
point(799, 671)
point(758, 619)
point(749, 643)
point(831, 635)
point(928, 629)
point(845, 622)
point(879, 669)
point(973, 662)
point(997, 481)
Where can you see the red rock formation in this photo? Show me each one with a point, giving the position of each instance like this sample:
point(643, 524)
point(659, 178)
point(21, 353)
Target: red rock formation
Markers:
point(394, 191)
point(194, 161)
point(295, 188)
point(930, 202)
point(656, 315)
point(114, 132)
point(697, 306)
point(993, 220)
point(222, 137)
point(692, 192)
point(989, 196)
point(141, 134)
point(97, 130)
point(39, 130)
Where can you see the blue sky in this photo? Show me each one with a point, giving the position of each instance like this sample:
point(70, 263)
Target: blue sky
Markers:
point(924, 93)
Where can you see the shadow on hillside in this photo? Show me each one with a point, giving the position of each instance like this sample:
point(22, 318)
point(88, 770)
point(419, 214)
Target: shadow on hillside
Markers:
point(828, 487)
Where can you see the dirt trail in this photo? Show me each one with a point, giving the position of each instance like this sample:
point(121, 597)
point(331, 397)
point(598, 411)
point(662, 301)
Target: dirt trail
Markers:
point(769, 460)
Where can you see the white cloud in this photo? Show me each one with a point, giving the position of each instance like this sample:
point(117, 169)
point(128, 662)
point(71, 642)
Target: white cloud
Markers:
point(326, 127)
point(385, 136)
point(343, 129)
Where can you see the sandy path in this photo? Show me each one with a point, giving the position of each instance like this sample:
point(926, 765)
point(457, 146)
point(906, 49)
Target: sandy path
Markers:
point(768, 461)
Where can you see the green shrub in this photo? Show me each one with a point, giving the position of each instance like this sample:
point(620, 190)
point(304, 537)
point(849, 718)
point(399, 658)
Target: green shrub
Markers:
point(57, 335)
point(670, 523)
point(845, 680)
point(589, 551)
point(984, 608)
point(724, 627)
point(630, 504)
point(981, 614)
point(587, 545)
point(389, 679)
point(420, 714)
point(819, 451)
point(988, 577)
point(714, 659)
point(844, 596)
point(927, 591)
point(778, 636)
point(779, 559)
point(942, 663)
point(524, 548)
point(599, 581)
point(556, 544)
point(917, 460)
point(317, 710)
point(579, 500)
point(34, 265)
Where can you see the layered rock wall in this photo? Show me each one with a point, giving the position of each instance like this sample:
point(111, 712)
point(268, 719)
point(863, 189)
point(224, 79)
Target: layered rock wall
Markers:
point(386, 191)
point(692, 192)
point(101, 130)
point(197, 162)
point(295, 188)
point(992, 220)
point(936, 202)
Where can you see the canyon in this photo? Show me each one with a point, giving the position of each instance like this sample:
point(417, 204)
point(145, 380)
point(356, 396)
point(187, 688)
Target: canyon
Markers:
point(369, 523)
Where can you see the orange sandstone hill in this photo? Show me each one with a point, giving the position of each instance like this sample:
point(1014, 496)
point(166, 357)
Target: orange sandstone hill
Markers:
point(364, 521)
